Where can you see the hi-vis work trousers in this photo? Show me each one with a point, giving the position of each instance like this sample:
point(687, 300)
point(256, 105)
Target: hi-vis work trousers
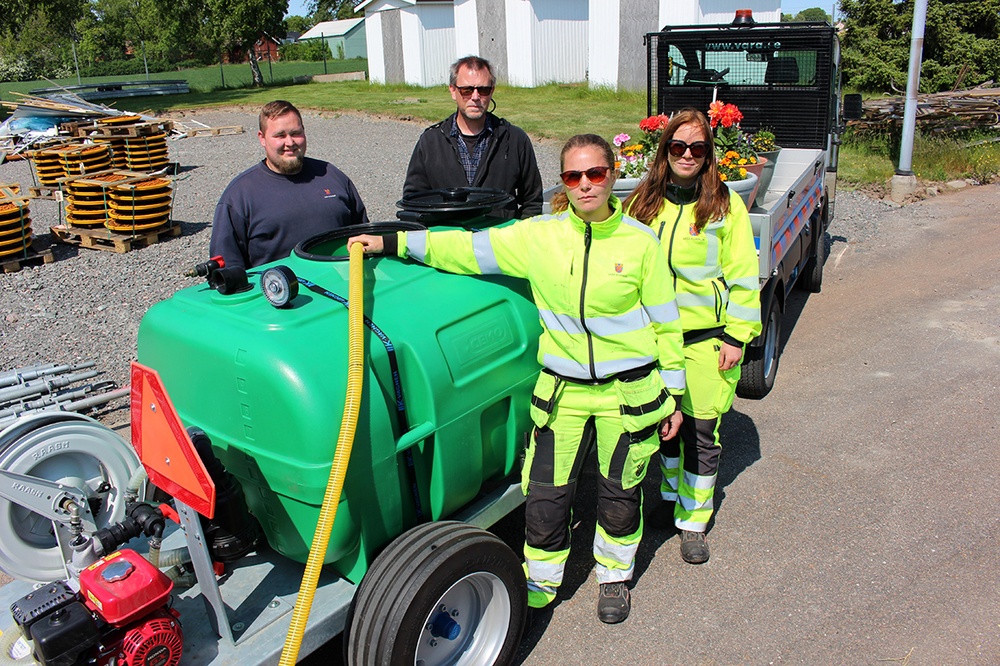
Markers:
point(622, 419)
point(690, 462)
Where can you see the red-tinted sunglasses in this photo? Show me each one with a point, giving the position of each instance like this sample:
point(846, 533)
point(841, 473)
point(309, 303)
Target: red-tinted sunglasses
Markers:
point(466, 91)
point(595, 175)
point(677, 148)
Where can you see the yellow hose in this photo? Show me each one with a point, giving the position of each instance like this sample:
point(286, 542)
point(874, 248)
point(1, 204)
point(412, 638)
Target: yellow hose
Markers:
point(348, 425)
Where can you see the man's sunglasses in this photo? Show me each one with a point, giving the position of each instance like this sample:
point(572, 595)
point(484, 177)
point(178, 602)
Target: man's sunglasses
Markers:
point(677, 148)
point(466, 91)
point(595, 175)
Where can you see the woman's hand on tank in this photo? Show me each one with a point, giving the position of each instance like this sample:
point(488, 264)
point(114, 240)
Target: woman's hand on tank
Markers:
point(670, 426)
point(372, 244)
point(729, 356)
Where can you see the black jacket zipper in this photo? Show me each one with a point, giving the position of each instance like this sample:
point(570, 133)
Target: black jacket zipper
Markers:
point(670, 248)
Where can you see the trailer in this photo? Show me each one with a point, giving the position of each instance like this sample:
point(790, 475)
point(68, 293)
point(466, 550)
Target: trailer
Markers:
point(784, 77)
point(194, 542)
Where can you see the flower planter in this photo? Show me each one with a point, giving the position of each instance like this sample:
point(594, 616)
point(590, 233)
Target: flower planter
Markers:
point(766, 174)
point(746, 188)
point(624, 186)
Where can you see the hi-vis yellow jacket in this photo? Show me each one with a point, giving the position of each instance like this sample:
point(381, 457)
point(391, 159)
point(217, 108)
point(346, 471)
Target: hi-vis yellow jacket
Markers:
point(715, 271)
point(602, 289)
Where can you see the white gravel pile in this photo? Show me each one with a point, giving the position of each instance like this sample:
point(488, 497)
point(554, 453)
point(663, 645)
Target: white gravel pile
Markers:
point(87, 304)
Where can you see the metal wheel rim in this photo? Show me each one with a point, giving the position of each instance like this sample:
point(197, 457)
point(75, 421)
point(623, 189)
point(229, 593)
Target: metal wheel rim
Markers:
point(483, 608)
point(771, 344)
point(80, 454)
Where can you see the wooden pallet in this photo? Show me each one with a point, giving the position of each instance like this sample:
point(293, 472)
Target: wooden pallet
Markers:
point(100, 238)
point(130, 176)
point(133, 130)
point(215, 131)
point(15, 263)
point(49, 192)
point(10, 191)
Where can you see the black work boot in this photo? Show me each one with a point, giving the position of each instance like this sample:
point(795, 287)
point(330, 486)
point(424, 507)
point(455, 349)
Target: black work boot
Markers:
point(694, 548)
point(662, 516)
point(613, 603)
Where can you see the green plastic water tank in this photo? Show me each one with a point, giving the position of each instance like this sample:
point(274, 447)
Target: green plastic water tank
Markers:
point(267, 385)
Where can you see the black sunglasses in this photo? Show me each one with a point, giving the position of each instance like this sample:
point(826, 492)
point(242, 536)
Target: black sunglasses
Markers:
point(677, 148)
point(595, 175)
point(466, 91)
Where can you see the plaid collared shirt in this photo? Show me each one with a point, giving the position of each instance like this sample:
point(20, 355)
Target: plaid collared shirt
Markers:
point(470, 162)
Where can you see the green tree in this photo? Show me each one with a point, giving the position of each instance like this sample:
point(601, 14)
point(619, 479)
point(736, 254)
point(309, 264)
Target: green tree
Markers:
point(297, 24)
point(960, 40)
point(166, 31)
point(333, 10)
point(34, 39)
point(234, 25)
point(811, 14)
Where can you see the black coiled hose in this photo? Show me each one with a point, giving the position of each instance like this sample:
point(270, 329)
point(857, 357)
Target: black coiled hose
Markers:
point(303, 249)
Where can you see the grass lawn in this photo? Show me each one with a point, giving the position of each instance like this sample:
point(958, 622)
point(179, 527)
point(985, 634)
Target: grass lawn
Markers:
point(554, 111)
point(206, 79)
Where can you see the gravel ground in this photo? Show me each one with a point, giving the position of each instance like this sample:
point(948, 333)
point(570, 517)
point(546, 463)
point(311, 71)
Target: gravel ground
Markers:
point(87, 304)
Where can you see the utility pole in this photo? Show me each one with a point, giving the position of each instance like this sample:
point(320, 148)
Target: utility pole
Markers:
point(904, 182)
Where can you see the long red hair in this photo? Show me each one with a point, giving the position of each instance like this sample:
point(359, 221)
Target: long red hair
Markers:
point(713, 196)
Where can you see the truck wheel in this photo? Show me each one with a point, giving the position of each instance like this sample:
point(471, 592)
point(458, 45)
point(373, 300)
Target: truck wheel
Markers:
point(442, 593)
point(811, 279)
point(761, 364)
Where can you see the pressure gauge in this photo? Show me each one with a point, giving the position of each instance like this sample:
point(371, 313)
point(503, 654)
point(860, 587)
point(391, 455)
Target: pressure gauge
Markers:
point(279, 285)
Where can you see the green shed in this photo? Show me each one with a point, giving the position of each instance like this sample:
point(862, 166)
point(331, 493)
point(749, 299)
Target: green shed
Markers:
point(345, 38)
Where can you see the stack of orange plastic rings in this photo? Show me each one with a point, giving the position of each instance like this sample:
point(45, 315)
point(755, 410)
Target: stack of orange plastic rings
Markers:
point(146, 153)
point(87, 204)
point(79, 160)
point(15, 227)
point(48, 165)
point(140, 206)
point(117, 143)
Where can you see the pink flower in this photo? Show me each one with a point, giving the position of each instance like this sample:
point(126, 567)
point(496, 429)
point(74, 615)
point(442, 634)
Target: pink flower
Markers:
point(621, 139)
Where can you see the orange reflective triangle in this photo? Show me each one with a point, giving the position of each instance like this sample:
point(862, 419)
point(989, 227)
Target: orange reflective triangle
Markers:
point(163, 444)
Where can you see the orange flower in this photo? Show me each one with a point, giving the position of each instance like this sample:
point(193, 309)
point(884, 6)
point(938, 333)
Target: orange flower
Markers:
point(654, 123)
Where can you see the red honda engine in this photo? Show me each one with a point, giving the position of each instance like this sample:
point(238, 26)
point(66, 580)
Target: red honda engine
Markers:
point(119, 616)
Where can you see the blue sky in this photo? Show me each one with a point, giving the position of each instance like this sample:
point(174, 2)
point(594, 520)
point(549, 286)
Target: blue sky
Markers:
point(298, 7)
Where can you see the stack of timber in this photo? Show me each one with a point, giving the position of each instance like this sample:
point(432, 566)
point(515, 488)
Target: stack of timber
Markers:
point(976, 108)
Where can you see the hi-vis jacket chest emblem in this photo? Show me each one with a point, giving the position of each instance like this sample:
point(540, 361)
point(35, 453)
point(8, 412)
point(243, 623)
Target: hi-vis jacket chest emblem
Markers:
point(619, 268)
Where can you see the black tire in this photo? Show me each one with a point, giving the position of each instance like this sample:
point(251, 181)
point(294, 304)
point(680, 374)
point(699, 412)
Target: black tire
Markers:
point(761, 364)
point(432, 579)
point(811, 279)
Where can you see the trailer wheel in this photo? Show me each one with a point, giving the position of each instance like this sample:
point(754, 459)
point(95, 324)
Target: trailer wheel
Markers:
point(761, 364)
point(442, 593)
point(811, 279)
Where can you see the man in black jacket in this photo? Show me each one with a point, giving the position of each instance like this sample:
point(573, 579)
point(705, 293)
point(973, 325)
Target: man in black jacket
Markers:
point(475, 148)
